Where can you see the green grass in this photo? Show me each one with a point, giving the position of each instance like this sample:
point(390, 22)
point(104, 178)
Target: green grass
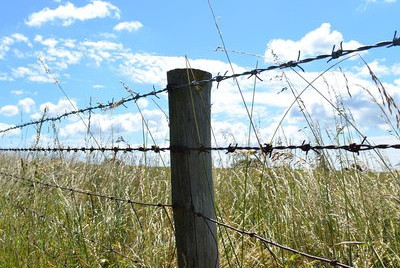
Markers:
point(349, 215)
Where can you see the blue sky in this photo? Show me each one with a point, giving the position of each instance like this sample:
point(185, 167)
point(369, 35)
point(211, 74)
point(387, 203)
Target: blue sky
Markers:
point(91, 46)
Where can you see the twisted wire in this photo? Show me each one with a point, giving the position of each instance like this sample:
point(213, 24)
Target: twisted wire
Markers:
point(335, 54)
point(109, 105)
point(266, 148)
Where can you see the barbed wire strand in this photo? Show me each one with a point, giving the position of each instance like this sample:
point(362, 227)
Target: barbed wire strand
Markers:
point(219, 223)
point(336, 54)
point(266, 148)
point(262, 239)
point(109, 105)
point(84, 192)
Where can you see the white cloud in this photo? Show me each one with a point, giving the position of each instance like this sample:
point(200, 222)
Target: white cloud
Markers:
point(101, 50)
point(50, 42)
point(20, 38)
point(318, 41)
point(9, 110)
point(52, 109)
point(395, 68)
point(7, 41)
point(152, 69)
point(70, 43)
point(26, 104)
point(143, 103)
point(65, 56)
point(376, 67)
point(105, 124)
point(33, 73)
point(128, 26)
point(69, 13)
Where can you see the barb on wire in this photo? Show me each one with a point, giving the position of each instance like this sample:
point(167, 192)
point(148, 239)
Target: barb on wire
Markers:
point(266, 148)
point(296, 63)
point(84, 192)
point(110, 105)
point(332, 262)
point(338, 53)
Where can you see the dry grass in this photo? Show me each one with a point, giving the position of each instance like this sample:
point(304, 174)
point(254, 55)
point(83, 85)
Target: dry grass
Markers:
point(351, 215)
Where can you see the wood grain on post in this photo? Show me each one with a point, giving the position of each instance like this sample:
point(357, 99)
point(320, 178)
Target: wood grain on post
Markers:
point(191, 171)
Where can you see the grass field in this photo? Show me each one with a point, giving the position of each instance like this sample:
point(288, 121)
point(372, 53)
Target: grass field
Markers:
point(349, 215)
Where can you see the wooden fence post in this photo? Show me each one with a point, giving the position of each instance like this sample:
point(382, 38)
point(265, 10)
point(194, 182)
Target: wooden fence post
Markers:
point(191, 171)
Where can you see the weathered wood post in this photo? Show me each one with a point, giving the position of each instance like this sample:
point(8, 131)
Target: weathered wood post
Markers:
point(191, 171)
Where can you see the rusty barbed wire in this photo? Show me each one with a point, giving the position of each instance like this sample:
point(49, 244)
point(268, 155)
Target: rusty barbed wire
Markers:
point(266, 148)
point(335, 54)
point(109, 105)
point(84, 192)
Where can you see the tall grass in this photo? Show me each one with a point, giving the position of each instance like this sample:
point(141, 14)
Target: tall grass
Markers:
point(349, 215)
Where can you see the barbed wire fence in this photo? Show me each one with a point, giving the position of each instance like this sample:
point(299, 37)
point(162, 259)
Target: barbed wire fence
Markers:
point(266, 149)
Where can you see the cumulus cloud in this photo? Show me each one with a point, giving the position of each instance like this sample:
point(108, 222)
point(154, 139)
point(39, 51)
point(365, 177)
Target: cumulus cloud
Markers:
point(26, 104)
point(9, 110)
point(318, 41)
point(128, 26)
point(69, 13)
